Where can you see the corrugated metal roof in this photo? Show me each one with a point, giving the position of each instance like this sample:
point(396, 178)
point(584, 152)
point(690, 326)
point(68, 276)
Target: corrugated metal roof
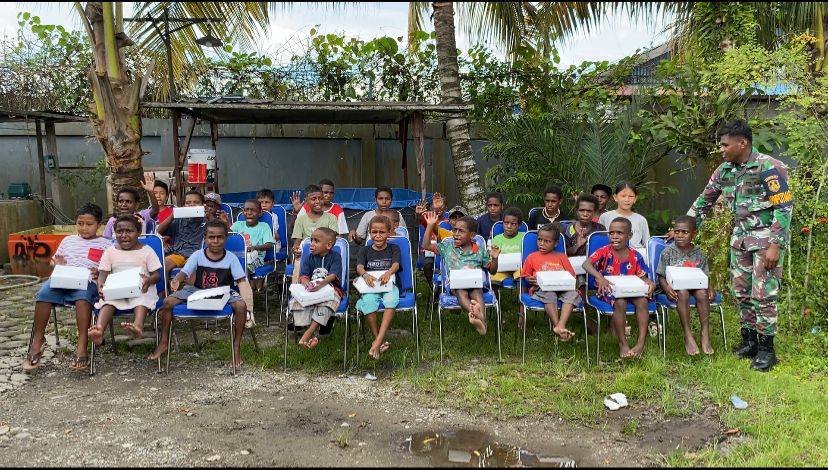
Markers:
point(251, 111)
point(7, 115)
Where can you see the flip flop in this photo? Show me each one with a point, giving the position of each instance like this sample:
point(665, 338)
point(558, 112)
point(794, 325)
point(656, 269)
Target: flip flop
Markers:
point(79, 363)
point(33, 360)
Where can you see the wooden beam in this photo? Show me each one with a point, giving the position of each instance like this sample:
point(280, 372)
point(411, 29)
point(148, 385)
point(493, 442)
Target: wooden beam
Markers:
point(214, 136)
point(176, 152)
point(189, 137)
point(40, 165)
point(404, 143)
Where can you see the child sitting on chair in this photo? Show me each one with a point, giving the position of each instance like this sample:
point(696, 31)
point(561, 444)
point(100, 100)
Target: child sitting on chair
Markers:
point(187, 234)
point(380, 256)
point(257, 237)
point(618, 259)
point(213, 267)
point(547, 259)
point(394, 217)
point(322, 267)
point(493, 214)
point(461, 252)
point(383, 196)
point(315, 218)
point(127, 203)
point(82, 250)
point(510, 241)
point(126, 254)
point(684, 253)
point(266, 200)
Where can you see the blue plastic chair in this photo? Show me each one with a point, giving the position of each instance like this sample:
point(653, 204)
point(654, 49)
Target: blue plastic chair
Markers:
point(532, 211)
point(408, 294)
point(235, 245)
point(341, 246)
point(227, 209)
point(264, 272)
point(655, 246)
point(157, 245)
point(530, 245)
point(437, 278)
point(449, 302)
point(497, 229)
point(595, 241)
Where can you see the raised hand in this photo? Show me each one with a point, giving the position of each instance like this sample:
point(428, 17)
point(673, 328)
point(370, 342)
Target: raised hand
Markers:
point(431, 217)
point(223, 216)
point(296, 200)
point(420, 208)
point(149, 181)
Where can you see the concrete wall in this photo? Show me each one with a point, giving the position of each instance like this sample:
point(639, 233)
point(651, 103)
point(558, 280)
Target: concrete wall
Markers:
point(16, 216)
point(277, 156)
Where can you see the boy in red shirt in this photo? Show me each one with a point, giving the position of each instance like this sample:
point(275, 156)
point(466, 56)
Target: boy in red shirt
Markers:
point(547, 259)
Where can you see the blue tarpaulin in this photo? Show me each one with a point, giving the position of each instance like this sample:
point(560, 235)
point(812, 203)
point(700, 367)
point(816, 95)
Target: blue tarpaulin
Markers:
point(360, 199)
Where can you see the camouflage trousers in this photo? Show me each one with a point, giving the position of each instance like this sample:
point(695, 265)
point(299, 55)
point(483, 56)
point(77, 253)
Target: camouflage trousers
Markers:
point(756, 289)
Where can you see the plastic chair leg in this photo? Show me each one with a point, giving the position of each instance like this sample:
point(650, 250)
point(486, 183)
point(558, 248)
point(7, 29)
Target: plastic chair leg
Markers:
point(416, 328)
point(287, 322)
point(232, 341)
point(598, 339)
point(499, 346)
point(724, 335)
point(345, 351)
point(586, 337)
point(440, 324)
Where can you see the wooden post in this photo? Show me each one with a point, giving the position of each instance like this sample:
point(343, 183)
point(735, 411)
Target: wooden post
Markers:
point(40, 165)
point(179, 181)
point(417, 130)
point(404, 143)
point(214, 135)
point(51, 149)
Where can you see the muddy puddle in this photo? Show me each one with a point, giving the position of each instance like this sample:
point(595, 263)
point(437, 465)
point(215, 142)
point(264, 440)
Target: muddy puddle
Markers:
point(470, 448)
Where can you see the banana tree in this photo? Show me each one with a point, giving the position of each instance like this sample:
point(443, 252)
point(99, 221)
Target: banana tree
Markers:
point(117, 91)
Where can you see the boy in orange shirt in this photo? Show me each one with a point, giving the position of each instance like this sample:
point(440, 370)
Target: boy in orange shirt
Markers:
point(547, 259)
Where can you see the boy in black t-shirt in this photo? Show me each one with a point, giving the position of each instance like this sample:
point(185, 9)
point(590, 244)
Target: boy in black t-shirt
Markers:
point(380, 256)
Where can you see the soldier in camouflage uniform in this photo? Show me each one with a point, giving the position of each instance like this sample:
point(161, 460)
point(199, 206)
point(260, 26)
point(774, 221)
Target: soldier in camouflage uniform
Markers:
point(755, 189)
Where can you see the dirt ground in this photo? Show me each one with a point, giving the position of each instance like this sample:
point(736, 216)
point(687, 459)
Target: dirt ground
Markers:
point(200, 415)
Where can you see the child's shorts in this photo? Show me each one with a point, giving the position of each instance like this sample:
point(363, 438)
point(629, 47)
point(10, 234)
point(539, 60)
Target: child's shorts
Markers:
point(498, 278)
point(369, 303)
point(550, 297)
point(320, 313)
point(188, 290)
point(67, 296)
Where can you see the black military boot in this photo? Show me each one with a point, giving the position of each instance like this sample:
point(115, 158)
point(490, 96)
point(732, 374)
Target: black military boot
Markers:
point(748, 348)
point(766, 357)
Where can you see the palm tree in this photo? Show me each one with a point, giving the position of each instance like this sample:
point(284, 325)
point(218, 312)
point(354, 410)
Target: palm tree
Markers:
point(699, 22)
point(117, 91)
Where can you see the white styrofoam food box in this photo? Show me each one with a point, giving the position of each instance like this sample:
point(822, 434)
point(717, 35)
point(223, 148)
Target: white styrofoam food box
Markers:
point(188, 212)
point(378, 288)
point(123, 285)
point(508, 262)
point(209, 299)
point(681, 278)
point(69, 277)
point(466, 278)
point(555, 281)
point(627, 286)
point(577, 263)
point(305, 297)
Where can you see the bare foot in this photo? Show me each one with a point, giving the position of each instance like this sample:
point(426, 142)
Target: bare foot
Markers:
point(312, 342)
point(374, 352)
point(476, 318)
point(384, 346)
point(159, 351)
point(563, 333)
point(137, 332)
point(636, 351)
point(624, 352)
point(690, 346)
point(706, 347)
point(95, 334)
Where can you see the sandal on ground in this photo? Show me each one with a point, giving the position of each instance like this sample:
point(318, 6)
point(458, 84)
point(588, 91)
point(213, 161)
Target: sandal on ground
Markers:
point(79, 363)
point(32, 361)
point(615, 401)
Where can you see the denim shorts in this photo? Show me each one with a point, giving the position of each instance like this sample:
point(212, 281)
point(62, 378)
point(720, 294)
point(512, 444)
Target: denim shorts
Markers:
point(369, 303)
point(67, 296)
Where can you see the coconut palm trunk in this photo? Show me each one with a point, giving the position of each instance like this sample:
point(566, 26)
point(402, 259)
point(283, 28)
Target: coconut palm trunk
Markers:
point(116, 108)
point(457, 126)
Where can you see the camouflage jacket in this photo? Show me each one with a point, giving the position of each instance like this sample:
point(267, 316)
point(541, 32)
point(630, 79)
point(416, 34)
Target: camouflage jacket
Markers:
point(757, 194)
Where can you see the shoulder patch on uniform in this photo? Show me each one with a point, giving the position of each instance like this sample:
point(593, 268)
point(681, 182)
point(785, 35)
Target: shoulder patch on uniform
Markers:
point(776, 188)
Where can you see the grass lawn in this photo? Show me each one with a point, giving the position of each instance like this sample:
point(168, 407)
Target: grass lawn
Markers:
point(786, 423)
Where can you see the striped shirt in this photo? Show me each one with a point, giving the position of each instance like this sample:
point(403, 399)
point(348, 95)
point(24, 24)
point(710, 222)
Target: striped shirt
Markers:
point(82, 252)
